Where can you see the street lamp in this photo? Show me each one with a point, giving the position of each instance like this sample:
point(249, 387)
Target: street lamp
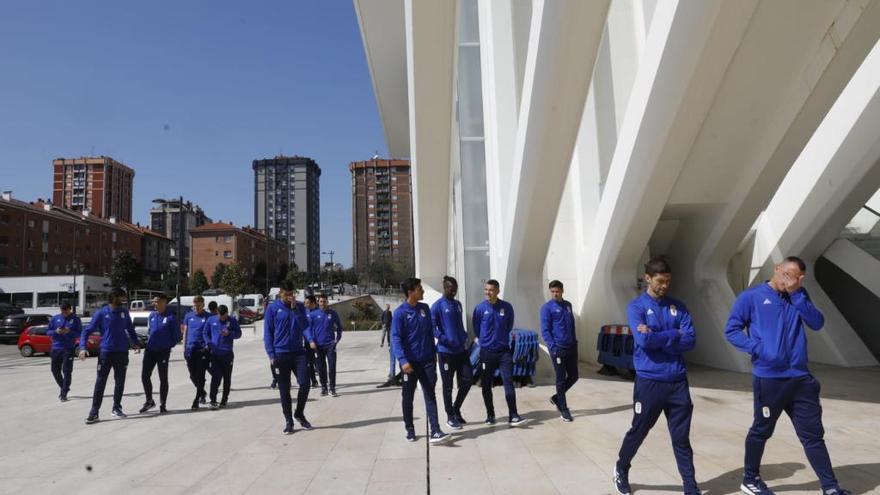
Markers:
point(331, 253)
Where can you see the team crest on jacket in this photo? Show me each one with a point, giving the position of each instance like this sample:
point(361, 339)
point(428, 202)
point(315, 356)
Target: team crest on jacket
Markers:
point(501, 312)
point(422, 311)
point(672, 310)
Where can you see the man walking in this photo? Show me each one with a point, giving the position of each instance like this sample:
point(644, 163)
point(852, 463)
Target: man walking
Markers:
point(195, 348)
point(557, 327)
point(117, 336)
point(311, 303)
point(767, 322)
point(220, 334)
point(493, 322)
point(451, 336)
point(63, 329)
point(326, 330)
point(285, 329)
point(164, 334)
point(412, 341)
point(386, 326)
point(663, 333)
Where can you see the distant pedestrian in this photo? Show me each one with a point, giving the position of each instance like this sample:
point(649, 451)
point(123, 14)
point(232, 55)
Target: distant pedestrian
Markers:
point(386, 326)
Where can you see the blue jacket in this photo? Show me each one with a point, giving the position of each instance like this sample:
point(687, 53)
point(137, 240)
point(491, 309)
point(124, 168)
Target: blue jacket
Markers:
point(217, 342)
point(448, 326)
point(659, 354)
point(492, 324)
point(115, 327)
point(322, 325)
point(285, 328)
point(557, 325)
point(412, 338)
point(164, 331)
point(65, 341)
point(770, 327)
point(195, 330)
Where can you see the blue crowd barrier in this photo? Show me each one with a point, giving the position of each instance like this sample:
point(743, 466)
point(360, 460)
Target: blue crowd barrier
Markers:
point(615, 345)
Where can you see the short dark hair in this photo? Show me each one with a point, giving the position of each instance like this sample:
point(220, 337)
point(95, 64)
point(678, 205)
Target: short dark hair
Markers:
point(451, 280)
point(223, 310)
point(410, 285)
point(556, 284)
point(162, 296)
point(65, 305)
point(198, 299)
point(286, 285)
point(312, 299)
point(657, 264)
point(799, 262)
point(116, 292)
point(323, 295)
point(212, 306)
point(493, 283)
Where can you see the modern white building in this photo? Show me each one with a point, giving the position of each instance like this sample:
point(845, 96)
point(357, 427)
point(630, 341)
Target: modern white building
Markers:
point(44, 294)
point(573, 139)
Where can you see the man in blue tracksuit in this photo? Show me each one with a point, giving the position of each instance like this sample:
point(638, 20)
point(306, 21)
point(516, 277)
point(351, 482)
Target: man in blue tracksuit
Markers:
point(285, 329)
point(164, 334)
point(220, 334)
point(195, 351)
point(311, 303)
point(452, 352)
point(326, 333)
point(557, 327)
point(767, 322)
point(117, 335)
point(63, 329)
point(493, 322)
point(412, 341)
point(663, 332)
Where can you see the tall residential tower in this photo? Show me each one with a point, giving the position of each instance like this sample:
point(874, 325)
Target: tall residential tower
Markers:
point(99, 184)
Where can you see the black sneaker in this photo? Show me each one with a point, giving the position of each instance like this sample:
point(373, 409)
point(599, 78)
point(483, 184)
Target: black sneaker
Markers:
point(195, 404)
point(63, 398)
point(162, 409)
point(203, 397)
point(516, 420)
point(755, 486)
point(323, 392)
point(223, 404)
point(214, 405)
point(439, 437)
point(388, 383)
point(453, 423)
point(565, 414)
point(621, 482)
point(117, 412)
point(333, 393)
point(553, 401)
point(147, 406)
point(288, 428)
point(836, 491)
point(314, 383)
point(410, 434)
point(92, 419)
point(490, 419)
point(460, 418)
point(304, 422)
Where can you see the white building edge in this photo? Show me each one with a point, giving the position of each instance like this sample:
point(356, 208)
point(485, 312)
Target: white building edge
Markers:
point(571, 140)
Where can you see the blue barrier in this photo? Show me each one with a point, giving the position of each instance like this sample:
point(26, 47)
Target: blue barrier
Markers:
point(615, 345)
point(524, 345)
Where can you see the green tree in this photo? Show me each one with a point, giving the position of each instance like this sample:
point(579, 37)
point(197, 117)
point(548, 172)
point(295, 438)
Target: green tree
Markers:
point(235, 281)
point(126, 271)
point(217, 278)
point(298, 278)
point(199, 282)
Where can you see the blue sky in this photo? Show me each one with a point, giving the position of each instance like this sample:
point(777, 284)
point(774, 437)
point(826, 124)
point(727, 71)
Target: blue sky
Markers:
point(188, 94)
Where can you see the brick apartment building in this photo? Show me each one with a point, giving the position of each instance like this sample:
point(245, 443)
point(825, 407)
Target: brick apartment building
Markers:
point(381, 193)
point(156, 250)
point(100, 185)
point(225, 243)
point(39, 238)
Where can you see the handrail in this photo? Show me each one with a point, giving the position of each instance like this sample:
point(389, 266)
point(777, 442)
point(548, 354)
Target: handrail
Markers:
point(872, 210)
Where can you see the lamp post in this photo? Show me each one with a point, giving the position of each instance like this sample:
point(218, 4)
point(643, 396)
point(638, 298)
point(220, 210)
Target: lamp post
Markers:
point(331, 253)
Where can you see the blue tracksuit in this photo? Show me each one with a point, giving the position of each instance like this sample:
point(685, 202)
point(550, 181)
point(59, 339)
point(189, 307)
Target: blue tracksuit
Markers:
point(492, 324)
point(195, 330)
point(769, 326)
point(325, 326)
point(164, 332)
point(557, 327)
point(114, 325)
point(661, 380)
point(218, 343)
point(448, 326)
point(285, 328)
point(412, 341)
point(65, 341)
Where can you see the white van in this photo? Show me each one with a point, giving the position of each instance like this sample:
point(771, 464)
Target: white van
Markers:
point(219, 299)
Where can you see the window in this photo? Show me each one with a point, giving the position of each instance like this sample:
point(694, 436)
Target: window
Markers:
point(216, 253)
point(227, 239)
point(30, 244)
point(4, 241)
point(227, 254)
point(30, 224)
point(4, 263)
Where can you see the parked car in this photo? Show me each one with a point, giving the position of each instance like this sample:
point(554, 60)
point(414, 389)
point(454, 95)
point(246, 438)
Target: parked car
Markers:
point(7, 309)
point(247, 316)
point(12, 326)
point(33, 340)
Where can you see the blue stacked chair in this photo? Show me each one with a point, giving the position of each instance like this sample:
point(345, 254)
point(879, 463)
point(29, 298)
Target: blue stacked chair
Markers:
point(615, 345)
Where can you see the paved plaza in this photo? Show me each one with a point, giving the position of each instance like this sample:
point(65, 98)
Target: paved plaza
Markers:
point(358, 444)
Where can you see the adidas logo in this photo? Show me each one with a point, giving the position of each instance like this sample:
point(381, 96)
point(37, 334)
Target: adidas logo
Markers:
point(767, 301)
point(650, 312)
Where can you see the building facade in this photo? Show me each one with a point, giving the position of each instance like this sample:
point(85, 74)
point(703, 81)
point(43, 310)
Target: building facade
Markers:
point(223, 243)
point(156, 252)
point(381, 209)
point(573, 140)
point(100, 185)
point(287, 205)
point(165, 220)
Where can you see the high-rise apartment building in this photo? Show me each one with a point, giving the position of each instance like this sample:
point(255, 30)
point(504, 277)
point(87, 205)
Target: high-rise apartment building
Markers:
point(165, 219)
point(381, 204)
point(287, 206)
point(100, 185)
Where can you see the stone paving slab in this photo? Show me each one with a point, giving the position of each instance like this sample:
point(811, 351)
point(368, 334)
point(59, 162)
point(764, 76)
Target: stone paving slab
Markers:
point(358, 447)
